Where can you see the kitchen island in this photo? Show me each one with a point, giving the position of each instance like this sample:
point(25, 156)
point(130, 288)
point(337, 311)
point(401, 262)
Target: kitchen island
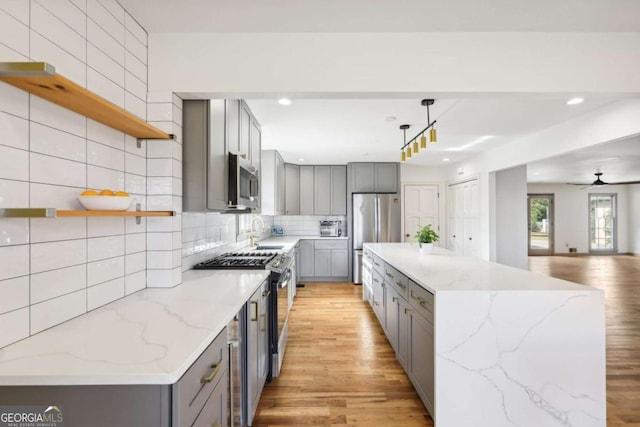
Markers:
point(509, 347)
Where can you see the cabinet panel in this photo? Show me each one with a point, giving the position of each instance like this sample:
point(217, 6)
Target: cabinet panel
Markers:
point(257, 347)
point(215, 410)
point(339, 263)
point(338, 190)
point(233, 125)
point(421, 358)
point(402, 353)
point(386, 177)
point(292, 189)
point(306, 260)
point(322, 263)
point(377, 293)
point(306, 190)
point(362, 178)
point(392, 313)
point(245, 130)
point(322, 190)
point(255, 144)
point(280, 185)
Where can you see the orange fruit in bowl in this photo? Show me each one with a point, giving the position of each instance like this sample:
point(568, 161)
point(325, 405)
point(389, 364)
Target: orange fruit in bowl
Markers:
point(122, 194)
point(107, 192)
point(89, 193)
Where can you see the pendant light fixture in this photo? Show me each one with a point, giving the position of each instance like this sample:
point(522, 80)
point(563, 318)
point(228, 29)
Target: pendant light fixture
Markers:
point(412, 147)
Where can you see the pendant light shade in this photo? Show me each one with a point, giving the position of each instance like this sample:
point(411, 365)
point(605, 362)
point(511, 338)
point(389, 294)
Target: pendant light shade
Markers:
point(415, 147)
point(408, 152)
point(403, 157)
point(432, 136)
point(423, 142)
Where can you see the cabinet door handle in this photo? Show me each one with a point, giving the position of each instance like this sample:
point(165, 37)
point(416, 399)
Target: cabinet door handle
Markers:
point(419, 300)
point(393, 299)
point(212, 375)
point(470, 238)
point(375, 263)
point(266, 293)
point(376, 303)
point(399, 283)
point(254, 303)
point(407, 311)
point(407, 235)
point(388, 274)
point(263, 327)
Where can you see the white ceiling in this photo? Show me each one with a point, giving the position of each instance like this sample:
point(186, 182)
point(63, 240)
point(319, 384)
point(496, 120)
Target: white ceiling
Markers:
point(343, 130)
point(168, 16)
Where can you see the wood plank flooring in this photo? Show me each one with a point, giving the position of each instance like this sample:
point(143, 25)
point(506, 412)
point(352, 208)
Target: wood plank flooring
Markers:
point(619, 277)
point(339, 369)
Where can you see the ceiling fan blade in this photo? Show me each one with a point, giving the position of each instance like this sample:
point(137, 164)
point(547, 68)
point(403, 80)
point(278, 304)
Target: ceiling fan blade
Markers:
point(624, 182)
point(582, 183)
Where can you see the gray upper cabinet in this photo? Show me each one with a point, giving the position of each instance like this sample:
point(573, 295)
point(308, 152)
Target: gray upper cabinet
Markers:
point(245, 131)
point(233, 125)
point(374, 177)
point(306, 190)
point(205, 155)
point(272, 178)
point(338, 190)
point(255, 144)
point(322, 190)
point(292, 189)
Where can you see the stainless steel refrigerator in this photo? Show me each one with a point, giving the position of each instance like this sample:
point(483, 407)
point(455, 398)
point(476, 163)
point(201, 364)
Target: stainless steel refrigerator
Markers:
point(376, 219)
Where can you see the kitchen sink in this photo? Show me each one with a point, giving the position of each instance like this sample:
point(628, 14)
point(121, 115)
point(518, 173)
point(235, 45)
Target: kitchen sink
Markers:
point(269, 248)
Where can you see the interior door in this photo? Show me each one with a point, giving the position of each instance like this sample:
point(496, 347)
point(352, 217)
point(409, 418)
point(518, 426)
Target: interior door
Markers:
point(463, 236)
point(421, 207)
point(540, 224)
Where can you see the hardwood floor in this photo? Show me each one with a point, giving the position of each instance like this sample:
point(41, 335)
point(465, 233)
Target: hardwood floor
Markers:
point(339, 369)
point(619, 277)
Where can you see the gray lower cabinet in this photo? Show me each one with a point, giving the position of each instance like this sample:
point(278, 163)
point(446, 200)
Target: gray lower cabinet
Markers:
point(199, 397)
point(306, 190)
point(322, 263)
point(257, 347)
point(339, 263)
point(330, 260)
point(292, 189)
point(377, 297)
point(421, 358)
point(306, 259)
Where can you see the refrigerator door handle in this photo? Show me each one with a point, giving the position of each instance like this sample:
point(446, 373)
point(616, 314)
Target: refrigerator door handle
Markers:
point(376, 213)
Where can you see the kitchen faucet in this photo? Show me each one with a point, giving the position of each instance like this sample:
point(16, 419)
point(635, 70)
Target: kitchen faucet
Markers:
point(251, 229)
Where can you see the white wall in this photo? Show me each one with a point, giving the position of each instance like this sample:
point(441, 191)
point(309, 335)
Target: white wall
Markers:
point(510, 213)
point(316, 64)
point(634, 218)
point(571, 215)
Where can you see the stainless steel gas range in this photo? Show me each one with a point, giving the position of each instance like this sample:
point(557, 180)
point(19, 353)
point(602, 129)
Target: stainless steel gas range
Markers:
point(279, 264)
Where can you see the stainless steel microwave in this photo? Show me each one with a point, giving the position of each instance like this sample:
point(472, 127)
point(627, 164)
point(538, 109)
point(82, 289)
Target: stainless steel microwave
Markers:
point(244, 192)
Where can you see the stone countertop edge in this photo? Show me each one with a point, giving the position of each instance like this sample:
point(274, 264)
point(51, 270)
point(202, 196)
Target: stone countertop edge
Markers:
point(150, 337)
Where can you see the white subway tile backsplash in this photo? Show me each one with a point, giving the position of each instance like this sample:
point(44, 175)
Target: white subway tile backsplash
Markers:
point(14, 131)
point(135, 282)
point(105, 135)
point(176, 187)
point(50, 230)
point(55, 283)
point(135, 105)
point(55, 311)
point(14, 101)
point(100, 178)
point(105, 226)
point(154, 97)
point(56, 31)
point(14, 231)
point(176, 146)
point(104, 270)
point(104, 87)
point(194, 219)
point(65, 63)
point(14, 261)
point(14, 294)
point(114, 9)
point(104, 156)
point(159, 259)
point(137, 67)
point(104, 293)
point(160, 112)
point(135, 242)
point(100, 248)
point(10, 55)
point(103, 64)
point(103, 41)
point(136, 184)
point(159, 241)
point(47, 140)
point(135, 262)
point(135, 46)
point(103, 17)
point(18, 9)
point(160, 203)
point(159, 186)
point(159, 167)
point(54, 255)
point(67, 13)
point(52, 196)
point(14, 34)
point(135, 29)
point(135, 86)
point(176, 166)
point(177, 114)
point(159, 278)
point(159, 149)
point(177, 239)
point(130, 222)
point(54, 170)
point(57, 117)
point(131, 146)
point(80, 4)
point(14, 326)
point(14, 163)
point(159, 224)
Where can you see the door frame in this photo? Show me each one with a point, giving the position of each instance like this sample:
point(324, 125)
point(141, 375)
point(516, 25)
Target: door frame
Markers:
point(441, 207)
point(552, 229)
point(614, 220)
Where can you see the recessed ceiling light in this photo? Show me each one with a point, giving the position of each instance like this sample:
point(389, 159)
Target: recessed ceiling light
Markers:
point(301, 159)
point(284, 101)
point(613, 158)
point(446, 159)
point(574, 101)
point(390, 119)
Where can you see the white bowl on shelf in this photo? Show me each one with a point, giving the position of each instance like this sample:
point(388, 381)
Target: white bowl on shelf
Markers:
point(105, 203)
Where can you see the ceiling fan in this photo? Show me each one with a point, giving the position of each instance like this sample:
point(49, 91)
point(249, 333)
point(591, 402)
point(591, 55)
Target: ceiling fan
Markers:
point(598, 182)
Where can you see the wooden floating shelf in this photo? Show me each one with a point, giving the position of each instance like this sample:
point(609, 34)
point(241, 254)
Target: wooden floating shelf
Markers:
point(40, 78)
point(54, 213)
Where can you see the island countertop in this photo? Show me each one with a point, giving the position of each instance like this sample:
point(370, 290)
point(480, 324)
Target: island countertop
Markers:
point(149, 337)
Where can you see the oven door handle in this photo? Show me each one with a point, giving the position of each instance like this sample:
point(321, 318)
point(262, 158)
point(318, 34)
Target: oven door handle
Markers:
point(282, 283)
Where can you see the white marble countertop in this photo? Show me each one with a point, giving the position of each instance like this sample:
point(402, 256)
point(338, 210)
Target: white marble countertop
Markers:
point(289, 241)
point(445, 271)
point(150, 337)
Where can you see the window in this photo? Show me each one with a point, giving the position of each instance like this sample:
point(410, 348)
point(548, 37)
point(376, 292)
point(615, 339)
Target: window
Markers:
point(602, 222)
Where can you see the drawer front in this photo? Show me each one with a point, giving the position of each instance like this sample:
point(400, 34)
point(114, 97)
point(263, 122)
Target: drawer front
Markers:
point(191, 391)
point(367, 255)
point(215, 411)
point(422, 300)
point(331, 244)
point(378, 265)
point(397, 280)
